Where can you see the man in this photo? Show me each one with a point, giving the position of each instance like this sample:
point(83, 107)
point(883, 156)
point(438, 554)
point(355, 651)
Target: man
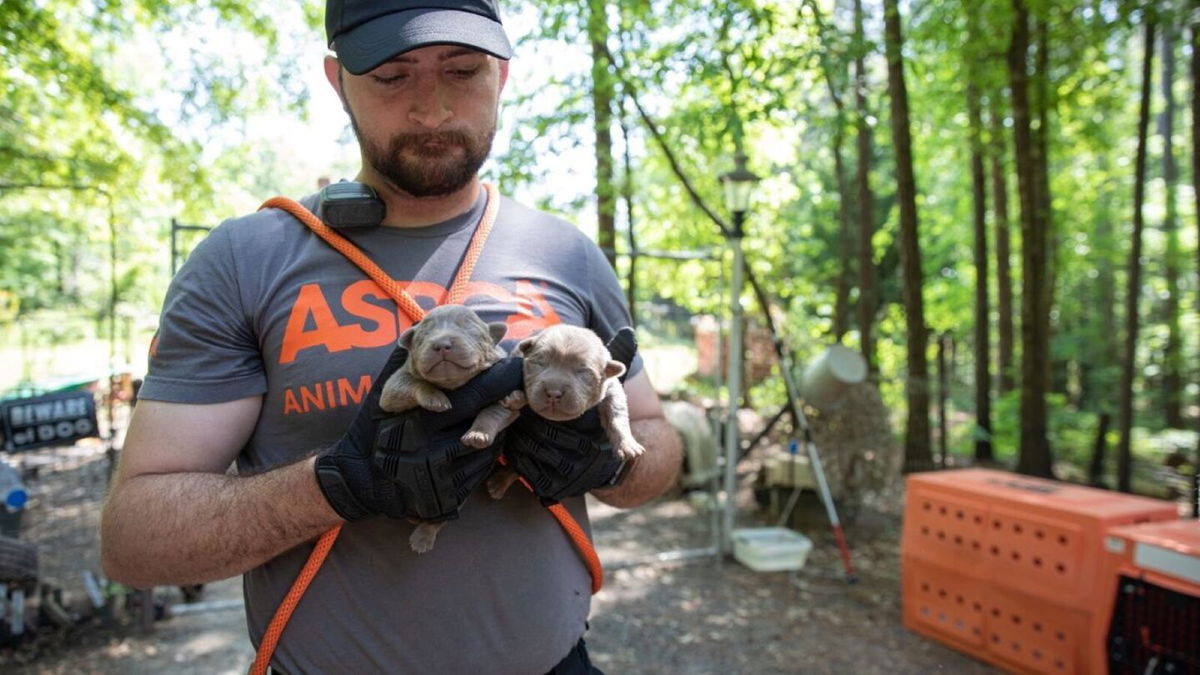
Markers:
point(270, 342)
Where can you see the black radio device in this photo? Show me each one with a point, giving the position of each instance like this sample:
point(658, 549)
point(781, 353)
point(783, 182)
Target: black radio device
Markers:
point(349, 204)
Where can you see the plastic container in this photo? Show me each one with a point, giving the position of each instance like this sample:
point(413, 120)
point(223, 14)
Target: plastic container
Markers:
point(1010, 569)
point(12, 491)
point(770, 549)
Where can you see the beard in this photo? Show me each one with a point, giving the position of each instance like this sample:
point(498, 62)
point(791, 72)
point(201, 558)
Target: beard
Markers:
point(429, 164)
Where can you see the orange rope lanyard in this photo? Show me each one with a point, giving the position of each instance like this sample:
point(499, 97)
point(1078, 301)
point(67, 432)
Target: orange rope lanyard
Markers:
point(409, 306)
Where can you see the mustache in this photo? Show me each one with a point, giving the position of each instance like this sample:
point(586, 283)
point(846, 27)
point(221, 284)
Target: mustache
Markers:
point(418, 140)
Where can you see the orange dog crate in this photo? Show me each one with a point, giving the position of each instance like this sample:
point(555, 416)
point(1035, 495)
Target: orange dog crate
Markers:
point(1009, 568)
point(1153, 599)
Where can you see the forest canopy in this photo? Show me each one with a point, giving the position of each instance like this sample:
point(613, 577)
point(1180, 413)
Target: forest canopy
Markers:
point(1007, 188)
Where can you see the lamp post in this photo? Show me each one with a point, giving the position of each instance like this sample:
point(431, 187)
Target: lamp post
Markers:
point(738, 184)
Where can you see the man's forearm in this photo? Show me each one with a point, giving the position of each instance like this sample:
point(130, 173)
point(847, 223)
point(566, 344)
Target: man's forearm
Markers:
point(652, 473)
point(188, 528)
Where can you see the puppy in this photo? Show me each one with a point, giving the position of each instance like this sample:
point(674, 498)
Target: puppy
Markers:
point(567, 370)
point(445, 349)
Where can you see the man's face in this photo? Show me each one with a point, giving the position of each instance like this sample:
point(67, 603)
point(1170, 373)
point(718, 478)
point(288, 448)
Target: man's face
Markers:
point(425, 120)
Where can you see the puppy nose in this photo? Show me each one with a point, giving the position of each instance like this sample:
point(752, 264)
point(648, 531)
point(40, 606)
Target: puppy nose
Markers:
point(554, 394)
point(443, 346)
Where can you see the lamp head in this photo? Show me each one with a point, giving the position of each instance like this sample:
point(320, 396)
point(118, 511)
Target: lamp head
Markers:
point(739, 184)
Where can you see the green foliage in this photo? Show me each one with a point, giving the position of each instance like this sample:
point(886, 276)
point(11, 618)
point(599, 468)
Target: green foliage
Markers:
point(123, 100)
point(110, 115)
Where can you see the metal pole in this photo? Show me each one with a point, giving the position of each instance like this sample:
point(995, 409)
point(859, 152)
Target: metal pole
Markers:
point(733, 380)
point(814, 457)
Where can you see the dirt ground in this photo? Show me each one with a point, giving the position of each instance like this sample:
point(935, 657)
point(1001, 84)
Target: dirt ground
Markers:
point(702, 616)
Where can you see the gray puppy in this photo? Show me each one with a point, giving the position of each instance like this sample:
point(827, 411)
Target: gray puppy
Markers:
point(567, 370)
point(445, 349)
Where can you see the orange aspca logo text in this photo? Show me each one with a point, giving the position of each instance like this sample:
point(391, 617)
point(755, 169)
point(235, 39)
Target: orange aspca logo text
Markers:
point(311, 323)
point(325, 395)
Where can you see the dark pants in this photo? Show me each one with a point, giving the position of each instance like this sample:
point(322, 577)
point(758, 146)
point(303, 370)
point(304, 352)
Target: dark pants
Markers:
point(576, 663)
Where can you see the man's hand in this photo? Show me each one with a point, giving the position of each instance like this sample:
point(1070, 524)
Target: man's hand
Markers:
point(411, 465)
point(569, 459)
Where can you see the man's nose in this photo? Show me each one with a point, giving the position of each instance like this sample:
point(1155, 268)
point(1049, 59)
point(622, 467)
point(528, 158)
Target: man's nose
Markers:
point(430, 107)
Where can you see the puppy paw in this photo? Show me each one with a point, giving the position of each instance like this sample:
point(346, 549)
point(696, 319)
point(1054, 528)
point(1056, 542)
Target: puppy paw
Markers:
point(394, 401)
point(476, 439)
point(422, 538)
point(434, 401)
point(630, 449)
point(499, 482)
point(514, 401)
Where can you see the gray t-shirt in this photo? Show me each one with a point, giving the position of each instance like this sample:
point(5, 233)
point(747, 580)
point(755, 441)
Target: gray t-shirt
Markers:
point(264, 307)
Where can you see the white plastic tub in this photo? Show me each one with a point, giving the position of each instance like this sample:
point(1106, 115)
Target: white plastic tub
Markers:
point(770, 549)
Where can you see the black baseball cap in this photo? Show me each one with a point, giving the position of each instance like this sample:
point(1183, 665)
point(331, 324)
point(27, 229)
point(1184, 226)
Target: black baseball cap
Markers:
point(367, 33)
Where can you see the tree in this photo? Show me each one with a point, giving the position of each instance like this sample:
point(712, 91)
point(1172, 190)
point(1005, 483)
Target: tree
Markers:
point(1124, 446)
point(1000, 222)
point(1173, 352)
point(1034, 451)
point(602, 120)
point(1056, 372)
point(866, 200)
point(133, 138)
point(983, 378)
point(1196, 209)
point(845, 273)
point(917, 451)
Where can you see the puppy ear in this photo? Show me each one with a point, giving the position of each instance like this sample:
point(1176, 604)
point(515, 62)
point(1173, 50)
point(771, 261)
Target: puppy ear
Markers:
point(525, 346)
point(614, 369)
point(497, 330)
point(406, 338)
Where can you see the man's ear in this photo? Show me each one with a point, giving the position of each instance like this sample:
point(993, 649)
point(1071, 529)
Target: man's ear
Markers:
point(503, 72)
point(332, 66)
point(333, 73)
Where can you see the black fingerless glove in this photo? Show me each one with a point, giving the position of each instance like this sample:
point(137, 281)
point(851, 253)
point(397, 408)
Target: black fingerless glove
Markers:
point(411, 465)
point(569, 459)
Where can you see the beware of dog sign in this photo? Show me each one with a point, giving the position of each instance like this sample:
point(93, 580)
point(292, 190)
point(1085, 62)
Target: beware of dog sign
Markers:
point(53, 419)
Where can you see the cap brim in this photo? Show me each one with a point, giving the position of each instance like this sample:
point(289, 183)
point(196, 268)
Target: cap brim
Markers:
point(368, 46)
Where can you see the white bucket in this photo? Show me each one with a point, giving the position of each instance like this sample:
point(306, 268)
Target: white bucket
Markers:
point(770, 549)
point(826, 379)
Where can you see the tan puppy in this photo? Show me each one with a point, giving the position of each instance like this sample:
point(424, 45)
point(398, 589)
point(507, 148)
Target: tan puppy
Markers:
point(568, 370)
point(445, 349)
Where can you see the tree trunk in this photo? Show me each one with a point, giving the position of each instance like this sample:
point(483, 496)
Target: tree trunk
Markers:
point(1034, 452)
point(983, 350)
point(1124, 447)
point(917, 452)
point(1103, 351)
point(866, 201)
point(1055, 375)
point(1173, 356)
point(844, 280)
point(602, 118)
point(1196, 210)
point(943, 395)
point(1004, 286)
point(845, 275)
point(1096, 468)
